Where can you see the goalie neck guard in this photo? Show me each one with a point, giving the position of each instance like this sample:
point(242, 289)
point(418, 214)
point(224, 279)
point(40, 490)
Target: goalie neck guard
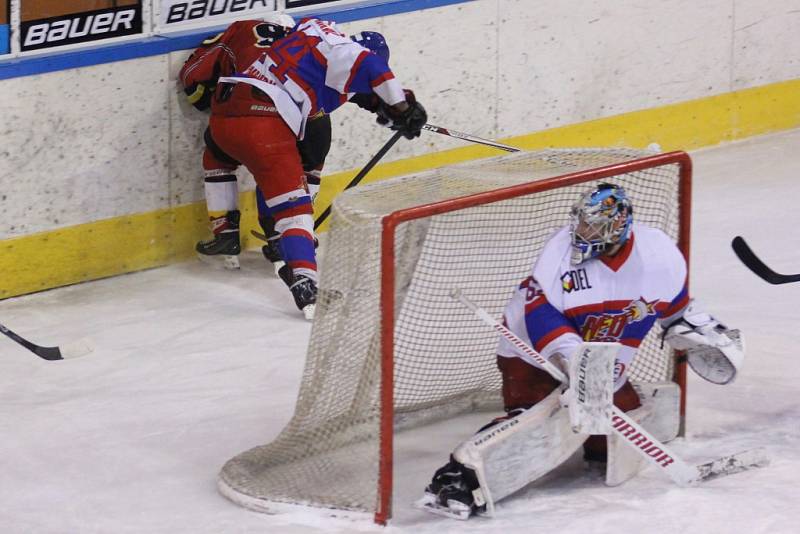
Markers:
point(600, 220)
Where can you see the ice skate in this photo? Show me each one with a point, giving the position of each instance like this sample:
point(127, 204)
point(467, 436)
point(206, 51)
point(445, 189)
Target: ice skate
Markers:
point(304, 291)
point(224, 247)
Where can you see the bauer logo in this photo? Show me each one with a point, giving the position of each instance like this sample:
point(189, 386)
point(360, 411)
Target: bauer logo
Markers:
point(81, 27)
point(177, 11)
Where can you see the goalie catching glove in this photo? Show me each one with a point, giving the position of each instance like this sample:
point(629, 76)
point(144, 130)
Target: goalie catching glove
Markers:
point(713, 351)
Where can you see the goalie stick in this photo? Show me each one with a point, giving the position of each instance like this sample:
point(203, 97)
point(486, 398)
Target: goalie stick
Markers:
point(632, 432)
point(752, 262)
point(71, 350)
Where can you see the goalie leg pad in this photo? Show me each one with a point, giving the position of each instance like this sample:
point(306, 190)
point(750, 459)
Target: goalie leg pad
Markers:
point(512, 454)
point(659, 414)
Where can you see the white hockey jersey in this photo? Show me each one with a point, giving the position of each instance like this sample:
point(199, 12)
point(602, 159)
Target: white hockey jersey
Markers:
point(602, 299)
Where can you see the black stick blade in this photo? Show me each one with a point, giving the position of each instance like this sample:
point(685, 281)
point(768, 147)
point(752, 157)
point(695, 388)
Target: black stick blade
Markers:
point(752, 262)
point(48, 353)
point(75, 349)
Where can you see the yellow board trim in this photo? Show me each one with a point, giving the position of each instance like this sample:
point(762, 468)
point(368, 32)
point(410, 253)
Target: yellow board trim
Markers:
point(130, 243)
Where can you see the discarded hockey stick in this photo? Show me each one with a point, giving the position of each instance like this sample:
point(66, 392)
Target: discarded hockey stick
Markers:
point(637, 437)
point(360, 176)
point(468, 137)
point(71, 350)
point(752, 262)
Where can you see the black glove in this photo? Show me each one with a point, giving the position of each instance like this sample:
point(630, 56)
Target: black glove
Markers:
point(411, 121)
point(199, 95)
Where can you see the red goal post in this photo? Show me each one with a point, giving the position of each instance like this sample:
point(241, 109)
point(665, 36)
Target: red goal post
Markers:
point(390, 223)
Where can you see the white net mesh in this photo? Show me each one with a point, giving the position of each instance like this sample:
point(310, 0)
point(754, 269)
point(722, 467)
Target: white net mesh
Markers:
point(444, 358)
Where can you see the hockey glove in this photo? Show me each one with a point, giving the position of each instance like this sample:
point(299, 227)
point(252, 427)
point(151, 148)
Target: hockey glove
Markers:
point(199, 95)
point(713, 351)
point(408, 122)
point(411, 121)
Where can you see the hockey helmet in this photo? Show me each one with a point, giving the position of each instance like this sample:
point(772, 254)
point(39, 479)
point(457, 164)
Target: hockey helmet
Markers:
point(600, 219)
point(279, 18)
point(374, 42)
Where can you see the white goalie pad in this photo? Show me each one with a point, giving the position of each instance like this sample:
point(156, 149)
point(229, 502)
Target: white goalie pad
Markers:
point(514, 453)
point(659, 414)
point(713, 351)
point(590, 396)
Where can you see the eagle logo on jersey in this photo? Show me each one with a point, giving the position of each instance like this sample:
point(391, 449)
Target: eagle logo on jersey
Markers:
point(610, 326)
point(639, 309)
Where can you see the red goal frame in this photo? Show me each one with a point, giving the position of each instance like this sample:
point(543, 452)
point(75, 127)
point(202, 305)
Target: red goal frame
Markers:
point(390, 223)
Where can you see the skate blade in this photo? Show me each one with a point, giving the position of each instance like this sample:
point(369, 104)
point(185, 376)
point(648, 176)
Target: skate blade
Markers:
point(454, 509)
point(308, 311)
point(277, 266)
point(225, 261)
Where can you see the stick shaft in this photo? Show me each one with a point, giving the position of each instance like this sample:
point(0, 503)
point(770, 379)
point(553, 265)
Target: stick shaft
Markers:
point(468, 137)
point(360, 176)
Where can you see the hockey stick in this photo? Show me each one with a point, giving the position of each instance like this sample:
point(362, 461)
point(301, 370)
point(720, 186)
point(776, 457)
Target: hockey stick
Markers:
point(360, 176)
point(752, 262)
point(262, 237)
point(468, 137)
point(637, 437)
point(71, 350)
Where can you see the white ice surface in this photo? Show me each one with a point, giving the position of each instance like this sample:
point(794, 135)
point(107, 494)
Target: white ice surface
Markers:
point(193, 365)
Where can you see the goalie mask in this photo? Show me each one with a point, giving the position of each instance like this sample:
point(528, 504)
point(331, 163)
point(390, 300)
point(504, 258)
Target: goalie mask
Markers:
point(374, 42)
point(600, 220)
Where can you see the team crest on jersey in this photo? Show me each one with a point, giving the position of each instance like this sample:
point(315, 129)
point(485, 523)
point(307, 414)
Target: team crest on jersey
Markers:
point(575, 280)
point(610, 326)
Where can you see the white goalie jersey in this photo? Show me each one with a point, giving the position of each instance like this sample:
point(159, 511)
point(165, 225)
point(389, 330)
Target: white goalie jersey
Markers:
point(610, 299)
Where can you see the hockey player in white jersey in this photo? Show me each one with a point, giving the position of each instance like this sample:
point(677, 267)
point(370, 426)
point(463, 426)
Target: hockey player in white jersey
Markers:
point(602, 278)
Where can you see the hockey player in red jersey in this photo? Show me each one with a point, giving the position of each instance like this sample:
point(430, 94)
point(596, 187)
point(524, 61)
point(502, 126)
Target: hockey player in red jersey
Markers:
point(245, 41)
point(266, 92)
point(603, 278)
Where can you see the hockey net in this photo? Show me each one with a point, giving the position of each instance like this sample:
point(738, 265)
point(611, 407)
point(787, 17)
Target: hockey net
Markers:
point(390, 349)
